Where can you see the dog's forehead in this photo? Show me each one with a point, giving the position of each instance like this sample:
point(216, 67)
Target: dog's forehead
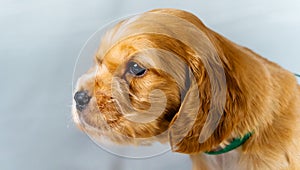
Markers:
point(130, 35)
point(117, 56)
point(142, 24)
point(152, 23)
point(113, 37)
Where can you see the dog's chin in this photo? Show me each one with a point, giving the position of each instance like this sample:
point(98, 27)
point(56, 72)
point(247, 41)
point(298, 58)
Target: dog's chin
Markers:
point(111, 136)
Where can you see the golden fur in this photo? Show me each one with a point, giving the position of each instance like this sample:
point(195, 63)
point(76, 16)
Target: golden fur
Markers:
point(260, 96)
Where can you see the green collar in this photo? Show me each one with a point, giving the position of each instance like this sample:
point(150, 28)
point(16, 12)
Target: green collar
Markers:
point(233, 145)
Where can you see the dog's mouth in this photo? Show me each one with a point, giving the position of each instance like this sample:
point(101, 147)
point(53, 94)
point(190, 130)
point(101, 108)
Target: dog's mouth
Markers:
point(106, 121)
point(89, 117)
point(114, 141)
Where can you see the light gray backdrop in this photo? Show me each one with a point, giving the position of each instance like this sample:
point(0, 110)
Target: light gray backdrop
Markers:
point(39, 43)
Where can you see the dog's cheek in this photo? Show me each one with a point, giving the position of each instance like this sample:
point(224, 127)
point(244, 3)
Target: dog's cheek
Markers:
point(106, 108)
point(153, 88)
point(121, 126)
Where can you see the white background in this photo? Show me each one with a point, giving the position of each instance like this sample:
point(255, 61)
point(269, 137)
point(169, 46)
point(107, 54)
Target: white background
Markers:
point(39, 43)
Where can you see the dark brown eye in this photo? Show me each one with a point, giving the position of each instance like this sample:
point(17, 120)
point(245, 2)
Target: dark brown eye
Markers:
point(135, 69)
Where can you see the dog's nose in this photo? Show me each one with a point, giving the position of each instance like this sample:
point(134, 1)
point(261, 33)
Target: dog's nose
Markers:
point(82, 99)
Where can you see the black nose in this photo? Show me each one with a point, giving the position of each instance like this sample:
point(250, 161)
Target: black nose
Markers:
point(82, 99)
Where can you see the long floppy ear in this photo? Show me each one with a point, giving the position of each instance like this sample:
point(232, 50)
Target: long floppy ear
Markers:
point(186, 117)
point(200, 124)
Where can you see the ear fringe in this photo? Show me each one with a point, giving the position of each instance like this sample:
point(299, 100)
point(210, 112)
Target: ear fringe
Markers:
point(186, 117)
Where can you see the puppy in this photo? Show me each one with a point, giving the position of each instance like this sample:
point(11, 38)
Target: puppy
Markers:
point(164, 76)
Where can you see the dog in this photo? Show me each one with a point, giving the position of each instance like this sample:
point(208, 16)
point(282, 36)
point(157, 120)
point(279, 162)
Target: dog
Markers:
point(164, 76)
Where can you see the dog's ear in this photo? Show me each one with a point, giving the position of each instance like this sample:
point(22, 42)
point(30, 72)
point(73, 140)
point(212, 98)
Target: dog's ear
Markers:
point(185, 119)
point(199, 124)
point(205, 118)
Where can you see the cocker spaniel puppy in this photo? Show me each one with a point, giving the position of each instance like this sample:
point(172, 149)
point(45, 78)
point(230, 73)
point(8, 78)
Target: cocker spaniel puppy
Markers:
point(164, 76)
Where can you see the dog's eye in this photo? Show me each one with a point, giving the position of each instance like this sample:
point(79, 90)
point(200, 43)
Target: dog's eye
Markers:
point(135, 69)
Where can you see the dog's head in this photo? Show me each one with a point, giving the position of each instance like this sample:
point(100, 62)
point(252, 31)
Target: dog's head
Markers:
point(158, 76)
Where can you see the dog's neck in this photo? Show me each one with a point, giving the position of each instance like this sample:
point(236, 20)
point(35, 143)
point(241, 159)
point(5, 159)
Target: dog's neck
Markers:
point(229, 146)
point(226, 161)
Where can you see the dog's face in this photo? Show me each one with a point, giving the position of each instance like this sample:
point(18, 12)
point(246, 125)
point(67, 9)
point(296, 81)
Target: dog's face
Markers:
point(151, 82)
point(131, 94)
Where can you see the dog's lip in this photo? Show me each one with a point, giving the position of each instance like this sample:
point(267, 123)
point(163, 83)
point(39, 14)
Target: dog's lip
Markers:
point(80, 108)
point(78, 120)
point(85, 127)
